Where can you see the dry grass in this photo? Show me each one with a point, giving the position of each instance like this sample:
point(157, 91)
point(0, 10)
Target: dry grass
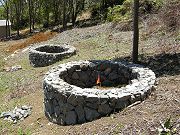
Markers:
point(170, 14)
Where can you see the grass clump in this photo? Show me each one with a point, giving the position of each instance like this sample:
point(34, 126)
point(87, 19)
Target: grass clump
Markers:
point(22, 132)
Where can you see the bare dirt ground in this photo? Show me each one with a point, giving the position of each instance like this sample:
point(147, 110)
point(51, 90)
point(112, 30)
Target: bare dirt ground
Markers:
point(98, 42)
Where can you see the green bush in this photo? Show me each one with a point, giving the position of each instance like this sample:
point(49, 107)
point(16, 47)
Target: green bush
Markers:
point(120, 12)
point(124, 12)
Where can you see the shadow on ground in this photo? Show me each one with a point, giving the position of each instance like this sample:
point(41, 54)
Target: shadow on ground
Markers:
point(161, 64)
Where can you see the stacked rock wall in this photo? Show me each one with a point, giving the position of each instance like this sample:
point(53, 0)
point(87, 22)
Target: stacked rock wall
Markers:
point(67, 104)
point(44, 55)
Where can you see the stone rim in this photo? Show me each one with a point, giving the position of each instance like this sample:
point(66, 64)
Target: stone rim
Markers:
point(52, 79)
point(66, 47)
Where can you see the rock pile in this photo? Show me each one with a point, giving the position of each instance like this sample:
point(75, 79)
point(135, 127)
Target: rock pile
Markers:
point(17, 114)
point(13, 68)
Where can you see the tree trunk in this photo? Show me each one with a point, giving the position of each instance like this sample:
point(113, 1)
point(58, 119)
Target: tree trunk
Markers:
point(74, 12)
point(17, 16)
point(8, 25)
point(7, 22)
point(30, 16)
point(136, 32)
point(64, 15)
point(55, 11)
point(6, 7)
point(33, 14)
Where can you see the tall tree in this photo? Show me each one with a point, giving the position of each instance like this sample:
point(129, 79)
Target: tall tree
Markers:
point(47, 8)
point(64, 14)
point(17, 6)
point(56, 11)
point(30, 15)
point(74, 12)
point(5, 4)
point(77, 7)
point(136, 32)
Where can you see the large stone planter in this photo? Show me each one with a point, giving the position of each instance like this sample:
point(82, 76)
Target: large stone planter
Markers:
point(71, 97)
point(47, 54)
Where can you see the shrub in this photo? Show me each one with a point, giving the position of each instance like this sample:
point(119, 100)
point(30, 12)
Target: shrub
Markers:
point(124, 12)
point(120, 12)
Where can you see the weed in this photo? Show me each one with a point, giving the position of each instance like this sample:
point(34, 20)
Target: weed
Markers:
point(167, 128)
point(117, 128)
point(1, 63)
point(21, 132)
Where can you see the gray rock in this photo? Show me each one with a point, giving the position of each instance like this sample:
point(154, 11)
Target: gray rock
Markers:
point(49, 107)
point(26, 114)
point(78, 83)
point(23, 112)
point(112, 102)
point(121, 104)
point(80, 100)
point(138, 96)
point(92, 105)
point(71, 70)
point(107, 83)
point(20, 116)
point(8, 114)
point(55, 102)
point(91, 114)
point(18, 110)
point(67, 107)
point(71, 118)
point(72, 100)
point(60, 98)
point(75, 75)
point(57, 111)
point(84, 66)
point(113, 75)
point(104, 109)
point(83, 76)
point(107, 71)
point(80, 114)
point(93, 98)
point(67, 79)
point(60, 120)
point(51, 95)
point(25, 107)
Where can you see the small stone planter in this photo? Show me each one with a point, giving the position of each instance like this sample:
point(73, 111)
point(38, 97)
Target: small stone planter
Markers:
point(47, 54)
point(71, 95)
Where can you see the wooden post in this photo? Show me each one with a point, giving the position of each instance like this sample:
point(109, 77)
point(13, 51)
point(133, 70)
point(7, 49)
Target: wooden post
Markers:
point(136, 32)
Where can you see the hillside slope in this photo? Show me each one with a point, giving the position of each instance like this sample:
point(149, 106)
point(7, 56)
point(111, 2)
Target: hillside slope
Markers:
point(98, 42)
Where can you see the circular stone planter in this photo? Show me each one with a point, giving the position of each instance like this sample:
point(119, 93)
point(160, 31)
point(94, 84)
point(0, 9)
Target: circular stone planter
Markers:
point(47, 54)
point(71, 97)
